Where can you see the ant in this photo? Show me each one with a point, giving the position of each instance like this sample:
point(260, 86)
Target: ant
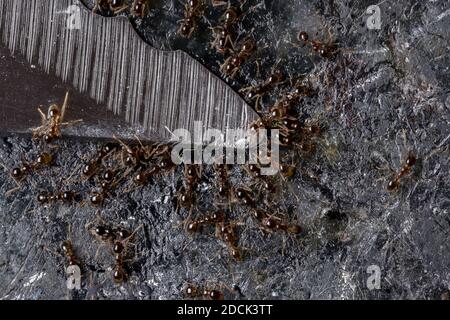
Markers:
point(197, 225)
point(67, 251)
point(326, 51)
point(108, 184)
point(132, 156)
point(120, 243)
point(222, 177)
point(66, 197)
point(94, 165)
point(224, 33)
point(19, 173)
point(140, 8)
point(243, 196)
point(285, 106)
point(192, 291)
point(271, 223)
point(142, 178)
point(102, 231)
point(227, 232)
point(26, 168)
point(115, 6)
point(256, 92)
point(192, 175)
point(233, 63)
point(51, 123)
point(287, 170)
point(193, 9)
point(117, 238)
point(208, 293)
point(409, 163)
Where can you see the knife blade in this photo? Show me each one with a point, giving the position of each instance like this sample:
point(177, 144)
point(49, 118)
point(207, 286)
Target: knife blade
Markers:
point(116, 80)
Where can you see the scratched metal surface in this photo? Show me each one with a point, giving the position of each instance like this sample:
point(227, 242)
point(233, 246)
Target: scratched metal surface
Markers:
point(388, 93)
point(106, 60)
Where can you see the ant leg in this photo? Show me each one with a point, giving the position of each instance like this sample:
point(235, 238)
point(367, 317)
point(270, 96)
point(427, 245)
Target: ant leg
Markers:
point(258, 103)
point(127, 148)
point(56, 253)
point(70, 123)
point(11, 191)
point(218, 3)
point(258, 68)
point(64, 106)
point(120, 10)
point(97, 253)
point(229, 40)
point(234, 73)
point(43, 116)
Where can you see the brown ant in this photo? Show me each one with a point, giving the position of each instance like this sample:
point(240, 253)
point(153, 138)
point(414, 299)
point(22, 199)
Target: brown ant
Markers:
point(117, 238)
point(233, 63)
point(19, 173)
point(67, 252)
point(243, 195)
point(285, 106)
point(326, 51)
point(226, 232)
point(67, 248)
point(93, 166)
point(409, 163)
point(222, 179)
point(287, 171)
point(115, 6)
point(224, 33)
point(65, 196)
point(142, 178)
point(163, 164)
point(26, 168)
point(102, 231)
point(119, 249)
point(271, 223)
point(193, 10)
point(192, 291)
point(256, 92)
point(186, 198)
point(211, 219)
point(140, 8)
point(107, 187)
point(51, 123)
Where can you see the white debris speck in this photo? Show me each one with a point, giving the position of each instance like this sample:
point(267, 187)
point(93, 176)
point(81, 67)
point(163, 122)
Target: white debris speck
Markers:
point(34, 278)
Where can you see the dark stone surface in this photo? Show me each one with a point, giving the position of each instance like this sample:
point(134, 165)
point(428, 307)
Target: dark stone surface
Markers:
point(386, 93)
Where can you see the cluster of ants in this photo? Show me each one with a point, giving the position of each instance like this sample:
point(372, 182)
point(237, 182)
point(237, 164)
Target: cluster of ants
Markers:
point(143, 163)
point(225, 38)
point(136, 165)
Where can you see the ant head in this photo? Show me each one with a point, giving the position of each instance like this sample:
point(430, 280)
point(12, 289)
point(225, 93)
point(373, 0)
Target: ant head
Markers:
point(53, 111)
point(66, 246)
point(191, 291)
point(17, 173)
point(303, 36)
point(215, 295)
point(119, 275)
point(42, 198)
point(44, 159)
point(118, 247)
point(230, 15)
point(48, 138)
